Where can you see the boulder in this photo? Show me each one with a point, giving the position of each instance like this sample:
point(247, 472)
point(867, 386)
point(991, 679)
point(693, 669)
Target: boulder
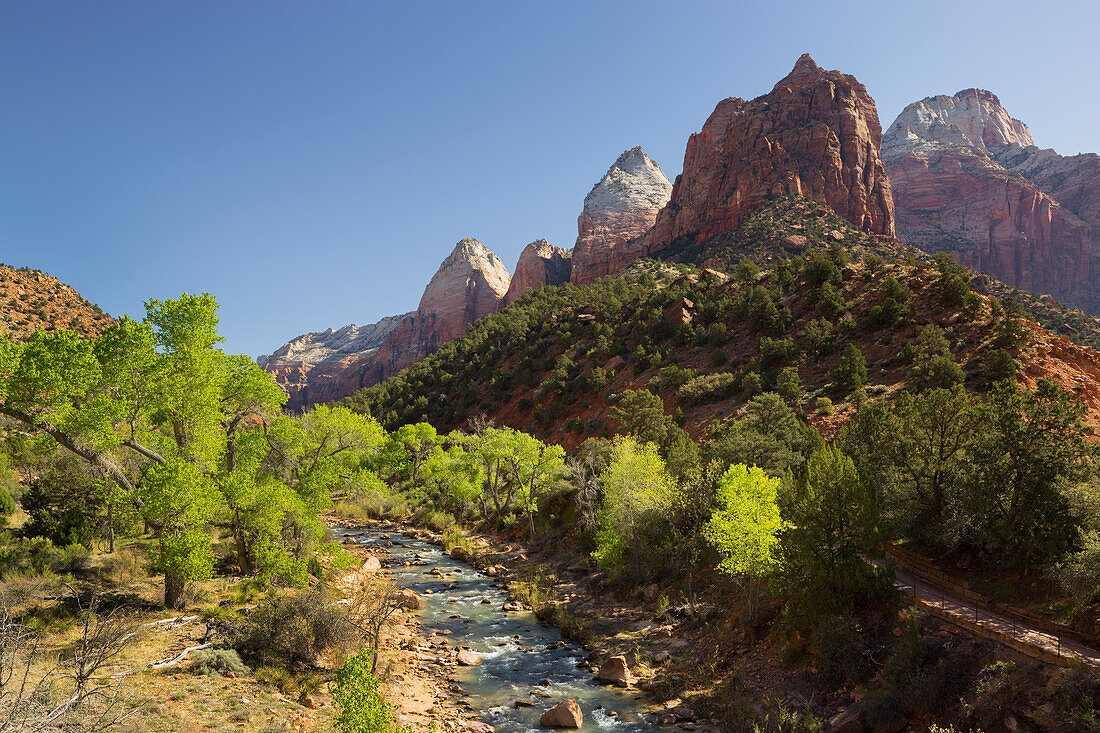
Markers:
point(458, 552)
point(852, 719)
point(478, 727)
point(371, 565)
point(467, 658)
point(408, 599)
point(616, 669)
point(566, 714)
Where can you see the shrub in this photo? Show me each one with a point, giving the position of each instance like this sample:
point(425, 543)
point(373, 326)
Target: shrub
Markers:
point(851, 372)
point(293, 631)
point(72, 560)
point(819, 337)
point(820, 269)
point(752, 383)
point(32, 555)
point(932, 366)
point(709, 387)
point(823, 405)
point(434, 519)
point(276, 677)
point(830, 303)
point(362, 708)
point(998, 364)
point(218, 661)
point(885, 315)
point(672, 377)
point(788, 385)
point(777, 350)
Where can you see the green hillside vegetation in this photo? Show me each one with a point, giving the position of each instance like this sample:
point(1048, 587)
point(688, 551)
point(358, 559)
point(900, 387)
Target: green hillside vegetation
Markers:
point(189, 459)
point(826, 332)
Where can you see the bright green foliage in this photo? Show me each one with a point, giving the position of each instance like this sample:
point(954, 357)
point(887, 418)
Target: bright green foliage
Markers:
point(406, 451)
point(637, 493)
point(745, 528)
point(362, 708)
point(517, 468)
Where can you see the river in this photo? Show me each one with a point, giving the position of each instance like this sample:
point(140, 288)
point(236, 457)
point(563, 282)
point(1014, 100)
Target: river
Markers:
point(521, 658)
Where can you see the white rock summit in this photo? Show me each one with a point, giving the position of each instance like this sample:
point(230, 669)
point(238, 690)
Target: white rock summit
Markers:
point(619, 208)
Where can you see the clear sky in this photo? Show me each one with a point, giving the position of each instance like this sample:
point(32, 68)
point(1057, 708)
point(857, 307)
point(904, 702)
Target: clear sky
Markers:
point(310, 163)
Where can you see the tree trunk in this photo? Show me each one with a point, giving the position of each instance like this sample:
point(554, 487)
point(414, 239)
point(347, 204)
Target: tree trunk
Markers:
point(242, 551)
point(173, 590)
point(111, 526)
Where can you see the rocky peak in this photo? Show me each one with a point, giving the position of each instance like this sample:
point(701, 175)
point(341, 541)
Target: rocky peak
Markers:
point(972, 118)
point(816, 134)
point(540, 263)
point(803, 69)
point(968, 179)
point(472, 269)
point(620, 207)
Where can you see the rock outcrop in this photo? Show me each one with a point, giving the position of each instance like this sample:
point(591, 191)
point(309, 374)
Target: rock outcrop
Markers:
point(968, 180)
point(540, 263)
point(816, 134)
point(618, 210)
point(329, 365)
point(311, 368)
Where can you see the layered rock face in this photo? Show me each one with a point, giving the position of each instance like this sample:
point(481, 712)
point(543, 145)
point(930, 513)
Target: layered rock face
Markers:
point(968, 179)
point(540, 263)
point(816, 134)
point(329, 365)
point(618, 210)
point(309, 367)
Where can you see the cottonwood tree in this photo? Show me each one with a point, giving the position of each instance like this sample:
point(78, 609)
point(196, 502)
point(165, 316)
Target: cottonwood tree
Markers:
point(637, 493)
point(153, 406)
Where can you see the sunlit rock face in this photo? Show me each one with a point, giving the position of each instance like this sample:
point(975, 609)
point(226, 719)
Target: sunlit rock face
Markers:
point(618, 210)
point(540, 263)
point(328, 365)
point(816, 134)
point(968, 180)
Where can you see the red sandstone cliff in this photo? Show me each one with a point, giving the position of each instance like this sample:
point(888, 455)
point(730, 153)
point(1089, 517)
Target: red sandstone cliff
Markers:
point(540, 263)
point(328, 365)
point(968, 180)
point(816, 134)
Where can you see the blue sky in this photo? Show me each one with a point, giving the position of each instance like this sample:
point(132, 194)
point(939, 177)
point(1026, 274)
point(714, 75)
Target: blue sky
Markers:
point(311, 163)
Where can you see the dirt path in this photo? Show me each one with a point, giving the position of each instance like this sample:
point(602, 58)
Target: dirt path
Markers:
point(984, 622)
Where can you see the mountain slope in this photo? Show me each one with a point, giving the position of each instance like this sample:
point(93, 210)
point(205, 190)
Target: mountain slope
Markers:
point(30, 299)
point(553, 362)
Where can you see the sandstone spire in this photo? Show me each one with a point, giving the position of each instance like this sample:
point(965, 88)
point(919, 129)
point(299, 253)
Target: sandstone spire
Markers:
point(619, 208)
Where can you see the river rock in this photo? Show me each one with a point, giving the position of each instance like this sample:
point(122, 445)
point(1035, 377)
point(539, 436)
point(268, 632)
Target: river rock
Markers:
point(616, 669)
point(408, 599)
point(468, 659)
point(478, 727)
point(458, 552)
point(371, 565)
point(566, 714)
